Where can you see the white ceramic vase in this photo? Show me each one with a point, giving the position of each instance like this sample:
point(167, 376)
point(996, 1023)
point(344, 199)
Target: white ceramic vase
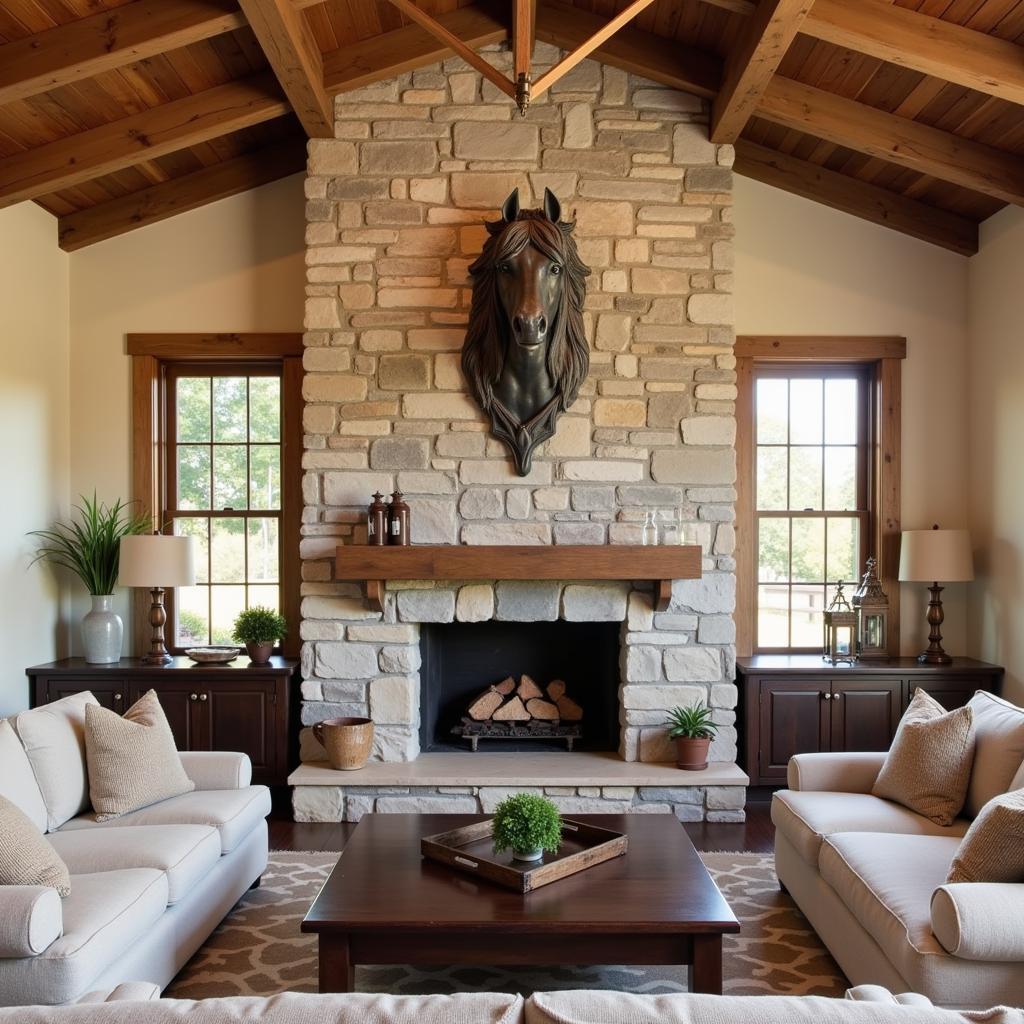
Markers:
point(102, 631)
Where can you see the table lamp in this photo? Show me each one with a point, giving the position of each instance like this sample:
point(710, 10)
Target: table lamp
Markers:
point(932, 556)
point(157, 561)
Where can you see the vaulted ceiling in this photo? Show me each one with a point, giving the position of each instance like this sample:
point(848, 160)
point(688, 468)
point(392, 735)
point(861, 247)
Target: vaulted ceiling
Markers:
point(118, 113)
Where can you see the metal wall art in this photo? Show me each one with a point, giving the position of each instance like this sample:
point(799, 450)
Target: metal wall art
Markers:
point(525, 354)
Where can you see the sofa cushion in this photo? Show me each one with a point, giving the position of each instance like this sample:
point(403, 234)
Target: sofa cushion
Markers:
point(886, 882)
point(993, 849)
point(17, 783)
point(929, 762)
point(30, 919)
point(103, 917)
point(998, 749)
point(184, 852)
point(233, 812)
point(132, 758)
point(54, 740)
point(26, 858)
point(804, 818)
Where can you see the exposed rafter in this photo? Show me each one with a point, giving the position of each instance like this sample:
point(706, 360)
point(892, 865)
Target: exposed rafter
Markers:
point(841, 192)
point(293, 54)
point(141, 137)
point(896, 139)
point(524, 24)
point(405, 49)
point(631, 49)
point(913, 40)
point(109, 40)
point(754, 58)
point(158, 202)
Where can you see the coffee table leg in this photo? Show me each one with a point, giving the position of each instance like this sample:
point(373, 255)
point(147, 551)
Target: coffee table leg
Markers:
point(706, 972)
point(337, 972)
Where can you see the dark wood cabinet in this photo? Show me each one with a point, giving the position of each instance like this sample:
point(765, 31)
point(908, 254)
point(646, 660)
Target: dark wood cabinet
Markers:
point(241, 707)
point(799, 704)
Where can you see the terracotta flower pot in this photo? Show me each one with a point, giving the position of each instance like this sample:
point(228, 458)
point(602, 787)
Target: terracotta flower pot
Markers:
point(259, 654)
point(692, 754)
point(348, 741)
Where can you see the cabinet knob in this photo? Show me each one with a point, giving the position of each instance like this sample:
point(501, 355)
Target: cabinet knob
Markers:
point(827, 696)
point(193, 696)
point(203, 696)
point(836, 696)
point(117, 696)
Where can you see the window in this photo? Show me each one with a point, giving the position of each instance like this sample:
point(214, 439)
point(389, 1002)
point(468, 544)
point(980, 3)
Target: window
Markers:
point(224, 490)
point(811, 496)
point(217, 455)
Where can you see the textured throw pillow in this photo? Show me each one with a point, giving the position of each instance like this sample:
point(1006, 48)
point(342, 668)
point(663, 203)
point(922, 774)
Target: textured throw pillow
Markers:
point(133, 761)
point(993, 848)
point(998, 749)
point(26, 858)
point(929, 764)
point(17, 782)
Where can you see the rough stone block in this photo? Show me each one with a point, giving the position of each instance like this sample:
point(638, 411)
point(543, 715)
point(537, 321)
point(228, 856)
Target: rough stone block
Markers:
point(400, 453)
point(654, 697)
point(318, 803)
point(710, 308)
point(346, 660)
point(404, 373)
point(572, 438)
point(577, 126)
point(475, 603)
point(333, 387)
point(709, 430)
point(598, 603)
point(694, 466)
point(518, 503)
point(481, 503)
point(384, 633)
point(324, 606)
point(439, 407)
point(480, 140)
point(491, 796)
point(394, 700)
point(506, 533)
point(620, 412)
point(640, 613)
point(716, 629)
point(693, 664)
point(691, 145)
point(400, 659)
point(527, 601)
point(488, 189)
point(426, 605)
point(357, 489)
point(394, 158)
point(715, 592)
point(414, 804)
point(432, 521)
point(724, 695)
point(643, 665)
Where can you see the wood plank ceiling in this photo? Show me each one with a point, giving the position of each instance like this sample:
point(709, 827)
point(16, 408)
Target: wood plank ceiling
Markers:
point(118, 113)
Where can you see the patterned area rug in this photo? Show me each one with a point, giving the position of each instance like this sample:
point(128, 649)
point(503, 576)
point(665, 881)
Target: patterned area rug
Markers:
point(259, 950)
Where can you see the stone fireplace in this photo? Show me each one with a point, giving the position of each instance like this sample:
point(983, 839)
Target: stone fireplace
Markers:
point(395, 212)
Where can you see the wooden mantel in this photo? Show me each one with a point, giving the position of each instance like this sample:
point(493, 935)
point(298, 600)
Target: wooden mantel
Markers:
point(374, 565)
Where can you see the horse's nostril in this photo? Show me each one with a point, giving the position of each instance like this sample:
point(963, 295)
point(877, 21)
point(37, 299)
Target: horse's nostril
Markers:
point(542, 325)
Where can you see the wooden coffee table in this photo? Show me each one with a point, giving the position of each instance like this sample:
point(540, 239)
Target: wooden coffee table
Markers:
point(384, 904)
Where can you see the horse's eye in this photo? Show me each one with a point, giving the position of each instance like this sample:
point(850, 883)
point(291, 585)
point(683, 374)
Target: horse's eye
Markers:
point(505, 268)
point(556, 269)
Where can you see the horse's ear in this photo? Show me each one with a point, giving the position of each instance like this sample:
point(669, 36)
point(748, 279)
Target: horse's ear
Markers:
point(510, 209)
point(552, 207)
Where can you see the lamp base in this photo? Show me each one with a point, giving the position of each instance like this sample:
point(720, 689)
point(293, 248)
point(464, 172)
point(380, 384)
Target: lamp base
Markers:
point(935, 658)
point(157, 659)
point(157, 618)
point(935, 655)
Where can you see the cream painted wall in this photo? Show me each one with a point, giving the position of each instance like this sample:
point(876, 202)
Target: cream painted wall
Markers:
point(235, 265)
point(802, 268)
point(996, 396)
point(35, 426)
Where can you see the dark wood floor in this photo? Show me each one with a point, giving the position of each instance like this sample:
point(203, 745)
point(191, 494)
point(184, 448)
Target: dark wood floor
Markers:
point(755, 835)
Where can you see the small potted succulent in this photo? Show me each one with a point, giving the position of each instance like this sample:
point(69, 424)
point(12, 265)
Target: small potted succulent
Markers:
point(693, 731)
point(528, 825)
point(259, 628)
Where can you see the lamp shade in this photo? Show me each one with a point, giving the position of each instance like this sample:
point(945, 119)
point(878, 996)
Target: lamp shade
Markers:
point(936, 556)
point(157, 560)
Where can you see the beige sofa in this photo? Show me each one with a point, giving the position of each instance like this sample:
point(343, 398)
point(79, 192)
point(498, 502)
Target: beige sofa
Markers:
point(865, 1005)
point(870, 875)
point(146, 888)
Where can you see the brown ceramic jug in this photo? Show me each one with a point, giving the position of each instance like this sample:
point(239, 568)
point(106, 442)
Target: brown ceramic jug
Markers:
point(348, 741)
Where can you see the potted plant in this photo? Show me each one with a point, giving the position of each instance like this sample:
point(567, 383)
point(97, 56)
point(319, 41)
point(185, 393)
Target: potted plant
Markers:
point(259, 628)
point(528, 825)
point(89, 546)
point(693, 731)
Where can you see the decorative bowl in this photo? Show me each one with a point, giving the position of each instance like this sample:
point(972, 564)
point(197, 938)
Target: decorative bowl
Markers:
point(212, 655)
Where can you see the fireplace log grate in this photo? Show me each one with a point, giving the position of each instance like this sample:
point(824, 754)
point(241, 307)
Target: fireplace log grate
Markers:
point(533, 730)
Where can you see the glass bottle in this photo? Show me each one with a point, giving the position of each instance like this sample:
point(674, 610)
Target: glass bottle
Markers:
point(650, 529)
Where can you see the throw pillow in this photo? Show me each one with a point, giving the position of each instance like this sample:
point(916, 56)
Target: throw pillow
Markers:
point(929, 764)
point(17, 782)
point(133, 761)
point(26, 858)
point(998, 748)
point(53, 736)
point(993, 848)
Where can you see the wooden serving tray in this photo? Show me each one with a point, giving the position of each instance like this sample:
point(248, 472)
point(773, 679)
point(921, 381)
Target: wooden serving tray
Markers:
point(470, 849)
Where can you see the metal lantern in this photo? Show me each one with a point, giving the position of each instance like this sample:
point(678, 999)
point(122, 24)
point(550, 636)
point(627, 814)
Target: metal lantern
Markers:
point(872, 604)
point(840, 630)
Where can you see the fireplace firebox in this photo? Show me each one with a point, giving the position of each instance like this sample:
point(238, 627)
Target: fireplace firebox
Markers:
point(459, 660)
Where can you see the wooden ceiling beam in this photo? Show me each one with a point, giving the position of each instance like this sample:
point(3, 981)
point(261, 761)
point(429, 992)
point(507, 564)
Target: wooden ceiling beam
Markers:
point(847, 194)
point(144, 136)
point(405, 49)
point(922, 43)
point(753, 60)
point(109, 40)
point(158, 202)
point(524, 23)
point(290, 48)
point(898, 140)
point(631, 49)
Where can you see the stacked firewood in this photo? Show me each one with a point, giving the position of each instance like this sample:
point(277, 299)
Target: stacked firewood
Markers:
point(510, 702)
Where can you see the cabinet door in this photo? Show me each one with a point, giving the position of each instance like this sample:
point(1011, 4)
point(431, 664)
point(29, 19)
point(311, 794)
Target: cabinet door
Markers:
point(242, 716)
point(794, 720)
point(865, 712)
point(950, 693)
point(111, 693)
point(179, 699)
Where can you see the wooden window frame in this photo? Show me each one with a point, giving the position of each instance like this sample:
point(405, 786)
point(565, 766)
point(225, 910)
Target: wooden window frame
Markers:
point(152, 355)
point(883, 355)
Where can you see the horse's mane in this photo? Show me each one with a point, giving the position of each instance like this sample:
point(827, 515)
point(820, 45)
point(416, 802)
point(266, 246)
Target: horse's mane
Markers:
point(483, 354)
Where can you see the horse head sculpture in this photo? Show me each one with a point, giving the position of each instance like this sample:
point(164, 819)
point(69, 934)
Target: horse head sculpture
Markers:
point(525, 354)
